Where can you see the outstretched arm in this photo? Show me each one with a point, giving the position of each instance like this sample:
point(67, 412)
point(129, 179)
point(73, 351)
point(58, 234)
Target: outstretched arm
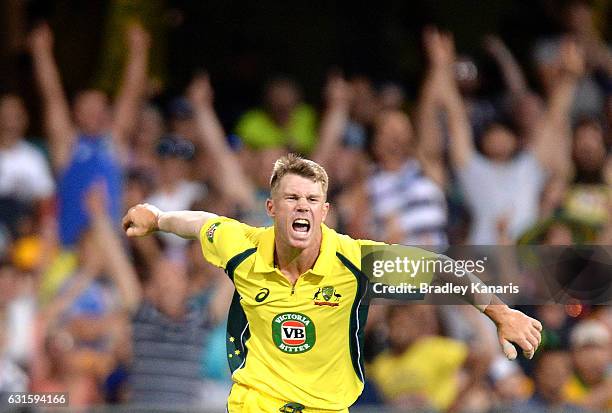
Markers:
point(461, 141)
point(133, 85)
point(58, 125)
point(511, 71)
point(550, 141)
point(117, 263)
point(429, 133)
point(335, 119)
point(144, 219)
point(227, 167)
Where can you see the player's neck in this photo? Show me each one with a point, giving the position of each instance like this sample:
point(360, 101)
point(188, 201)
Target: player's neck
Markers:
point(293, 262)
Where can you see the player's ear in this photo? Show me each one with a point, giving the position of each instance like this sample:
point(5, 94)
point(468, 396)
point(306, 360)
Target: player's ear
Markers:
point(325, 210)
point(270, 207)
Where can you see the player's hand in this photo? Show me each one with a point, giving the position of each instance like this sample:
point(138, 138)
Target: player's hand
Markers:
point(141, 220)
point(515, 327)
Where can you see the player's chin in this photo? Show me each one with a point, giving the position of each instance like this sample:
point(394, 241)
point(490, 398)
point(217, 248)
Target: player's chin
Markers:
point(299, 239)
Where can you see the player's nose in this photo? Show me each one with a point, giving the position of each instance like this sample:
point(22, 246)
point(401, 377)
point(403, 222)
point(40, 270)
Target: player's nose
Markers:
point(302, 205)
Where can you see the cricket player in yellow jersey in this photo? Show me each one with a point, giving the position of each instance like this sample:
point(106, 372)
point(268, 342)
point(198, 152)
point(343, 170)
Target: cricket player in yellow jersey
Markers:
point(295, 328)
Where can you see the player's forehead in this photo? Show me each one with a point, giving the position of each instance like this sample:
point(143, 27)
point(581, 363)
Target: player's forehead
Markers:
point(296, 184)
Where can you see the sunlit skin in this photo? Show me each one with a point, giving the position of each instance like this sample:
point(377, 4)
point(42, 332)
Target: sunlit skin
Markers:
point(297, 198)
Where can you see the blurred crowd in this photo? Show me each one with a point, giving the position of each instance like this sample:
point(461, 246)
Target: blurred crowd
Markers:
point(113, 321)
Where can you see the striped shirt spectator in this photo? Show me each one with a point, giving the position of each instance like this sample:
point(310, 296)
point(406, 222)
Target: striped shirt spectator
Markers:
point(167, 356)
point(407, 206)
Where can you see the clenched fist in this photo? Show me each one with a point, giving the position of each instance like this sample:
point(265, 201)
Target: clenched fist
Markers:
point(141, 220)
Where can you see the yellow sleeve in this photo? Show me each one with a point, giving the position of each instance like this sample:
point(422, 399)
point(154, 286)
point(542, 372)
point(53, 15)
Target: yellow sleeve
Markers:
point(223, 238)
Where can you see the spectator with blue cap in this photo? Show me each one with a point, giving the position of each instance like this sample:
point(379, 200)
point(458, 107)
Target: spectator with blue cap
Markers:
point(175, 187)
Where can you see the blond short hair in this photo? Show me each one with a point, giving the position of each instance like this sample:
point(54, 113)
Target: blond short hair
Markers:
point(294, 164)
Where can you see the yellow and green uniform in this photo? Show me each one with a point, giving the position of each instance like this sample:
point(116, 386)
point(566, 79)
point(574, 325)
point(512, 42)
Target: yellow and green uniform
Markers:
point(299, 343)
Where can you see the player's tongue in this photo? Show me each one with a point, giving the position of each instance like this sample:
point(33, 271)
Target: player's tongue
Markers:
point(301, 225)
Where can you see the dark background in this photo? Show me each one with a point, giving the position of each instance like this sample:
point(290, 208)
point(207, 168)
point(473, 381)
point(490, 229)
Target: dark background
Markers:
point(244, 43)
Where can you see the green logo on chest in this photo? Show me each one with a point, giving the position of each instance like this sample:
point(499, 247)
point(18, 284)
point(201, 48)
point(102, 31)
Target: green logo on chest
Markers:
point(293, 332)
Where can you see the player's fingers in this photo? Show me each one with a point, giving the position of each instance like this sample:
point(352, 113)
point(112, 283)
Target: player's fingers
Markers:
point(134, 232)
point(126, 222)
point(536, 324)
point(537, 335)
point(526, 346)
point(508, 349)
point(528, 354)
point(533, 340)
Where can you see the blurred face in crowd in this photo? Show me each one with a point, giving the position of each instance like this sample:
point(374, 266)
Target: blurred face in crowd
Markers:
point(174, 156)
point(578, 17)
point(173, 169)
point(499, 143)
point(150, 128)
point(592, 361)
point(391, 97)
point(13, 118)
point(92, 112)
point(184, 126)
point(393, 139)
point(349, 166)
point(407, 323)
point(552, 372)
point(298, 207)
point(281, 98)
point(589, 147)
point(365, 104)
point(170, 286)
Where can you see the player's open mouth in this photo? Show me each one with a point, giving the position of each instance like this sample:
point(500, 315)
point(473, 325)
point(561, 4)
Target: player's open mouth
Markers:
point(301, 225)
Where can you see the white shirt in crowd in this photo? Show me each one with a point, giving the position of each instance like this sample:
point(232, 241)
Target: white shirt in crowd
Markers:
point(495, 190)
point(25, 173)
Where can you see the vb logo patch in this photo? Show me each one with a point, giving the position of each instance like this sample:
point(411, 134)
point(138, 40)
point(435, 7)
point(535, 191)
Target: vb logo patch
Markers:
point(293, 332)
point(210, 232)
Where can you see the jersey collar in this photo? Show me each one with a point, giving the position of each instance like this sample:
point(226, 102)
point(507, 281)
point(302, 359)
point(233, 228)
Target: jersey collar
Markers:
point(264, 259)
